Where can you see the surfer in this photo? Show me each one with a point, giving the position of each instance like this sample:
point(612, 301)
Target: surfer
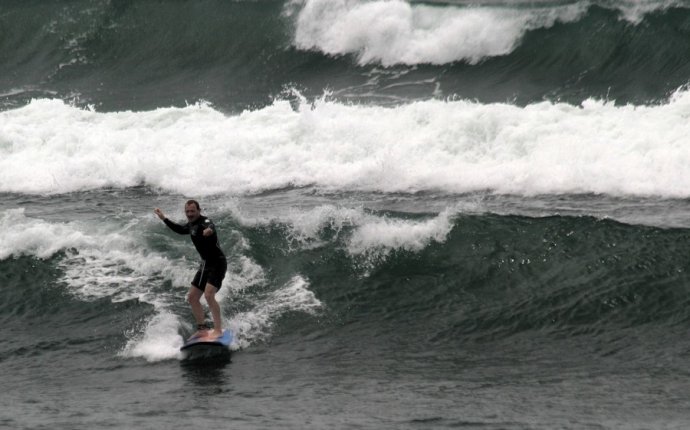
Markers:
point(209, 277)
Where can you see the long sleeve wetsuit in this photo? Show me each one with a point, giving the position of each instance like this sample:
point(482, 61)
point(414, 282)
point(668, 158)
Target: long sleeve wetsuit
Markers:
point(207, 246)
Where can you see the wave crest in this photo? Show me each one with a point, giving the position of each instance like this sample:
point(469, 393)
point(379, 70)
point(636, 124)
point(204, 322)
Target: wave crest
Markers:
point(396, 32)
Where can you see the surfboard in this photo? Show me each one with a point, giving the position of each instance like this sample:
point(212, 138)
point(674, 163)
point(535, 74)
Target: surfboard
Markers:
point(204, 346)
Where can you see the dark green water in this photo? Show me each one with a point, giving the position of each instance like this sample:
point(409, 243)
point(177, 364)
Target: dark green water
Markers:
point(146, 54)
point(435, 214)
point(345, 316)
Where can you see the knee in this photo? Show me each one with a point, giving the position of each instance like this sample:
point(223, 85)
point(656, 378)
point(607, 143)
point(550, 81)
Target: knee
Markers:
point(192, 298)
point(210, 296)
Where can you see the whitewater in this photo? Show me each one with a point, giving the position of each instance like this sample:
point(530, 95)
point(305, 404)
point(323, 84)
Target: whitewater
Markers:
point(453, 146)
point(392, 32)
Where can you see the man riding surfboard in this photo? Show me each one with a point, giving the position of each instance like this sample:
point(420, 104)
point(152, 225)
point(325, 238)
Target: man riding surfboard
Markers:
point(209, 277)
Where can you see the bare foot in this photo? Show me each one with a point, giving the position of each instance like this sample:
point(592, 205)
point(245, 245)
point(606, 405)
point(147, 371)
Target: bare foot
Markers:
point(215, 333)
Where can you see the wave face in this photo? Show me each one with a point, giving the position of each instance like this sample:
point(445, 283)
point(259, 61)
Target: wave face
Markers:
point(451, 147)
point(469, 278)
point(238, 55)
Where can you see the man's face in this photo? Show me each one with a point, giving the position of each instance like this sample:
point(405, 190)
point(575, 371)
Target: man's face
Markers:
point(192, 212)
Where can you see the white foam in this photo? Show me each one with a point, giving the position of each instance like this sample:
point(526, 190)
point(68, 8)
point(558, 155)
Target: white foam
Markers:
point(110, 261)
point(451, 146)
point(120, 274)
point(386, 234)
point(390, 32)
point(634, 10)
point(306, 226)
point(103, 260)
point(396, 32)
point(255, 325)
point(368, 238)
point(20, 235)
point(159, 340)
point(368, 231)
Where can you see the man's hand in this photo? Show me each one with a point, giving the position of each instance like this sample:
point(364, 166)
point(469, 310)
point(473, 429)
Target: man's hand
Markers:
point(160, 213)
point(207, 232)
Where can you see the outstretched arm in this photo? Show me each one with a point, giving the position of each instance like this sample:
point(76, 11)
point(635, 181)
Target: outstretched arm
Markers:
point(180, 229)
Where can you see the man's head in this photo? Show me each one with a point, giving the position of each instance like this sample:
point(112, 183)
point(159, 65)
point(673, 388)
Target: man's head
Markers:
point(192, 210)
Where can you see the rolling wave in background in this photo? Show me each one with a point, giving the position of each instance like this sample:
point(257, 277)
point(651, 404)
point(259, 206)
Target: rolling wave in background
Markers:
point(242, 55)
point(449, 147)
point(397, 32)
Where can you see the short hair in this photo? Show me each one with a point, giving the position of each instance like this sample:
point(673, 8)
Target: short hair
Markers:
point(193, 202)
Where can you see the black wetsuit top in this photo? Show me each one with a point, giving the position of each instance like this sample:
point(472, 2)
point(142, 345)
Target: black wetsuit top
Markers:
point(208, 247)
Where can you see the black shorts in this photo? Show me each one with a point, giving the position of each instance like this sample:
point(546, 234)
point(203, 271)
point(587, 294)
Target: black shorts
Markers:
point(211, 273)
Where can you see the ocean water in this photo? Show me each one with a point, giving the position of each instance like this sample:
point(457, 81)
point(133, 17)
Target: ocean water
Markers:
point(436, 214)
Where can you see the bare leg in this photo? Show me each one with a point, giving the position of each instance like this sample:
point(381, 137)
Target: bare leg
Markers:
point(210, 295)
point(197, 310)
